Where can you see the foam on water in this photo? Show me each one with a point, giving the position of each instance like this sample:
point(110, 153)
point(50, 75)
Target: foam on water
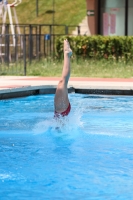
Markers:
point(67, 125)
point(91, 114)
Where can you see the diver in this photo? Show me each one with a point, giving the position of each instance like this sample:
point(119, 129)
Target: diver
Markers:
point(61, 102)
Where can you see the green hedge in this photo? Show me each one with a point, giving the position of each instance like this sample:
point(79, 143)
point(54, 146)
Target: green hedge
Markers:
point(99, 47)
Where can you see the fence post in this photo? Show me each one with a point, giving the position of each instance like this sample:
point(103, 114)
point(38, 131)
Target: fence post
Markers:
point(78, 30)
point(66, 30)
point(30, 44)
point(7, 45)
point(16, 47)
point(37, 47)
point(24, 53)
point(40, 38)
point(50, 30)
point(47, 38)
point(1, 49)
point(7, 49)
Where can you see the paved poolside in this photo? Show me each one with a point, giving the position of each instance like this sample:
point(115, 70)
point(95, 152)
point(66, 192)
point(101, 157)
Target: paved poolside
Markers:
point(10, 85)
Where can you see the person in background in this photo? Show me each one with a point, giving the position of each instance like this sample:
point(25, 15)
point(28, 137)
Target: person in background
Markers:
point(61, 102)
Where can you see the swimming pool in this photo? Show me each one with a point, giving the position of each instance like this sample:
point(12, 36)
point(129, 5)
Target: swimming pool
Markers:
point(87, 156)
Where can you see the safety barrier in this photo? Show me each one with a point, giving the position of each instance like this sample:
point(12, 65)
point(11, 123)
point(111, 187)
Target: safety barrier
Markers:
point(35, 42)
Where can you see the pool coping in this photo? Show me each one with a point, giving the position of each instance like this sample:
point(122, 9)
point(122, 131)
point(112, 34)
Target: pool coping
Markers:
point(50, 89)
point(20, 86)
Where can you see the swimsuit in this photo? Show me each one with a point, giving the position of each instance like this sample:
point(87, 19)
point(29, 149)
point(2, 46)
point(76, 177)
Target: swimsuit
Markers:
point(64, 113)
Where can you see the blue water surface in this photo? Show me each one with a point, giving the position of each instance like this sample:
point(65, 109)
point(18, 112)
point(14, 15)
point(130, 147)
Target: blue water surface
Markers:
point(85, 156)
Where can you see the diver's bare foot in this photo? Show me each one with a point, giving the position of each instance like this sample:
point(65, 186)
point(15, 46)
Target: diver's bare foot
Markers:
point(67, 49)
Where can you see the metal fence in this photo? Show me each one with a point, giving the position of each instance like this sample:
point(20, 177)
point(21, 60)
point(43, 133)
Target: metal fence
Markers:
point(39, 29)
point(34, 42)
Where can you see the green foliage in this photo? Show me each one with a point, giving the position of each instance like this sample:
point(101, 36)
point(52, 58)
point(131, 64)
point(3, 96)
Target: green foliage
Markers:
point(119, 48)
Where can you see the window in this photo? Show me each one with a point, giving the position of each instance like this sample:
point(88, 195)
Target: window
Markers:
point(112, 15)
point(130, 17)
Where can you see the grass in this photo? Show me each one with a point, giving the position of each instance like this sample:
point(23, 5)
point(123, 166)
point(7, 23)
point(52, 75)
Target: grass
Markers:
point(66, 12)
point(80, 68)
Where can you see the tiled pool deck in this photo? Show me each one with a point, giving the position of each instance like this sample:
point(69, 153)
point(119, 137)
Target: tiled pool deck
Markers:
point(16, 86)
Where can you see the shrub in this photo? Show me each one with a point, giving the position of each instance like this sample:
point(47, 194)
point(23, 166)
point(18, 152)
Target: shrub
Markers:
point(99, 47)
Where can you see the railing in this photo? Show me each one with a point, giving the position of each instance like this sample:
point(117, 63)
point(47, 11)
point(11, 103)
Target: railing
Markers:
point(39, 29)
point(35, 42)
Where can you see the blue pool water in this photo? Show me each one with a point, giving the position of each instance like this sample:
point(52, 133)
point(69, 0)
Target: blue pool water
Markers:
point(86, 156)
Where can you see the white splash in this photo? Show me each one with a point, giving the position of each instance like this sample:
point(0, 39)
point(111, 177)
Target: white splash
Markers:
point(62, 125)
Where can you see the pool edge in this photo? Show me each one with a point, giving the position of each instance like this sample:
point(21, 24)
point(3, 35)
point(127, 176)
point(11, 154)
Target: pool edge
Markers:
point(36, 90)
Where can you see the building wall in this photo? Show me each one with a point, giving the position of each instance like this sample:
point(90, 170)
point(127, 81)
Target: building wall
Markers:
point(111, 17)
point(92, 20)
